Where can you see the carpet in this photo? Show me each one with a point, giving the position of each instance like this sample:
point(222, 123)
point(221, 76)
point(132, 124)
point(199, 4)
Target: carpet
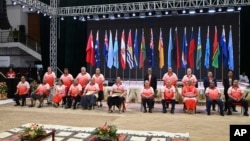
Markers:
point(69, 133)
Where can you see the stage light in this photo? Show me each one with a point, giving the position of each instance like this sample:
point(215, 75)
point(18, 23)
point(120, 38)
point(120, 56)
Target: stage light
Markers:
point(31, 9)
point(126, 15)
point(150, 13)
point(118, 15)
point(212, 10)
point(111, 16)
point(239, 8)
point(23, 6)
point(158, 14)
point(38, 11)
point(166, 12)
point(192, 12)
point(104, 16)
point(133, 14)
point(230, 9)
point(13, 2)
point(96, 17)
point(88, 17)
point(142, 15)
point(74, 17)
point(184, 11)
point(62, 18)
point(201, 10)
point(44, 14)
point(220, 9)
point(50, 17)
point(82, 19)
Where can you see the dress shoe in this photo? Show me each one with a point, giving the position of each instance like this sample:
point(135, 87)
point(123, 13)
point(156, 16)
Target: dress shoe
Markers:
point(225, 109)
point(145, 111)
point(39, 106)
point(150, 111)
point(172, 111)
point(214, 110)
point(31, 105)
point(235, 110)
point(164, 111)
point(222, 114)
point(246, 114)
point(208, 113)
point(229, 113)
point(17, 105)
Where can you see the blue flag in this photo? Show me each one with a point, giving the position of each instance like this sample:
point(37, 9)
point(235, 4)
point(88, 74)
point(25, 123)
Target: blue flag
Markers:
point(105, 47)
point(115, 52)
point(170, 48)
point(231, 52)
point(110, 51)
point(97, 53)
point(207, 53)
point(184, 50)
point(223, 48)
point(151, 51)
point(136, 50)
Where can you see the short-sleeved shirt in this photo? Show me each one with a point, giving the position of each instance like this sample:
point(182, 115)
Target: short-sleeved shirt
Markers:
point(83, 79)
point(50, 78)
point(148, 91)
point(189, 91)
point(213, 93)
point(236, 92)
point(186, 78)
point(75, 89)
point(67, 79)
point(169, 92)
point(92, 87)
point(60, 90)
point(43, 89)
point(119, 87)
point(172, 77)
point(23, 87)
point(11, 74)
point(99, 79)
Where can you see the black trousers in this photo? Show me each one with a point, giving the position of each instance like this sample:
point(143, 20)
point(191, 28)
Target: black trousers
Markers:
point(242, 101)
point(164, 102)
point(17, 97)
point(149, 102)
point(70, 100)
point(115, 101)
point(212, 102)
point(226, 102)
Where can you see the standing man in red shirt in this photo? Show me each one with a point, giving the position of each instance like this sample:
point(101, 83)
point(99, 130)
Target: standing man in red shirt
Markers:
point(235, 94)
point(50, 78)
point(67, 79)
point(83, 78)
point(22, 91)
point(170, 75)
point(213, 95)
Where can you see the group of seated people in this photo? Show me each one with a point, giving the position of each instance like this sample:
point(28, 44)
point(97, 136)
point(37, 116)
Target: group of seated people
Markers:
point(85, 91)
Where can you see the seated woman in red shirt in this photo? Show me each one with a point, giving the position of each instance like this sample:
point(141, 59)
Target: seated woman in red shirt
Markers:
point(213, 95)
point(74, 94)
point(40, 94)
point(90, 95)
point(168, 95)
point(59, 93)
point(189, 93)
point(147, 97)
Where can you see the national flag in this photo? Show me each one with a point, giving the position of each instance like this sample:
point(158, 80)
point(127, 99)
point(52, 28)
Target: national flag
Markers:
point(207, 53)
point(230, 50)
point(90, 53)
point(105, 47)
point(136, 50)
point(110, 51)
point(161, 51)
point(170, 48)
point(184, 50)
point(216, 50)
point(130, 51)
point(199, 51)
point(115, 52)
point(191, 50)
point(97, 53)
point(151, 50)
point(123, 51)
point(223, 48)
point(142, 51)
point(176, 52)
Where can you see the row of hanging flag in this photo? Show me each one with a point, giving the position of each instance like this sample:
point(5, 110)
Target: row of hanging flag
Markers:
point(130, 54)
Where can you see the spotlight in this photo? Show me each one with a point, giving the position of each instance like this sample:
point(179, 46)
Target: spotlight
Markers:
point(126, 15)
point(44, 14)
point(118, 15)
point(184, 11)
point(111, 16)
point(96, 17)
point(23, 6)
point(166, 12)
point(239, 8)
point(74, 18)
point(230, 9)
point(191, 11)
point(13, 2)
point(133, 14)
point(50, 17)
point(150, 13)
point(158, 13)
point(142, 15)
point(201, 10)
point(88, 17)
point(62, 18)
point(31, 9)
point(212, 10)
point(220, 9)
point(82, 19)
point(38, 11)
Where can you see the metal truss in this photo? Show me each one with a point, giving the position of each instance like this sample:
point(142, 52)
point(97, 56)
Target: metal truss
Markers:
point(148, 6)
point(53, 37)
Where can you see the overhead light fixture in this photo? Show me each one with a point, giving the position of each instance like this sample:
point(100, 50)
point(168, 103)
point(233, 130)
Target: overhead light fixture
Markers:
point(31, 9)
point(23, 6)
point(212, 10)
point(88, 17)
point(74, 17)
point(14, 2)
point(150, 13)
point(126, 16)
point(82, 19)
point(142, 15)
point(192, 11)
point(184, 11)
point(111, 16)
point(38, 11)
point(96, 17)
point(62, 18)
point(118, 15)
point(44, 14)
point(50, 17)
point(104, 16)
point(230, 9)
point(166, 12)
point(201, 10)
point(133, 14)
point(220, 9)
point(239, 8)
point(158, 14)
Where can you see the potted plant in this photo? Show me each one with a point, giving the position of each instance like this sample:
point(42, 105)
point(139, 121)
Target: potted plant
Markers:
point(105, 133)
point(32, 131)
point(3, 90)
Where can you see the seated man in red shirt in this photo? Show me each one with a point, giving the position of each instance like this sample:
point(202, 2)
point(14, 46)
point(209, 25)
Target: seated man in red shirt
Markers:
point(40, 94)
point(236, 95)
point(213, 95)
point(74, 94)
point(189, 93)
point(22, 91)
point(168, 95)
point(147, 96)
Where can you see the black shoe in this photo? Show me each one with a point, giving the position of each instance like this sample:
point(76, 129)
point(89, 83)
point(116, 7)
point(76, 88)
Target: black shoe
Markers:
point(208, 113)
point(49, 103)
point(246, 114)
point(229, 113)
point(222, 114)
point(214, 109)
point(225, 109)
point(31, 105)
point(100, 105)
point(164, 111)
point(172, 111)
point(145, 111)
point(150, 111)
point(234, 110)
point(67, 107)
point(17, 105)
point(74, 107)
point(39, 106)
